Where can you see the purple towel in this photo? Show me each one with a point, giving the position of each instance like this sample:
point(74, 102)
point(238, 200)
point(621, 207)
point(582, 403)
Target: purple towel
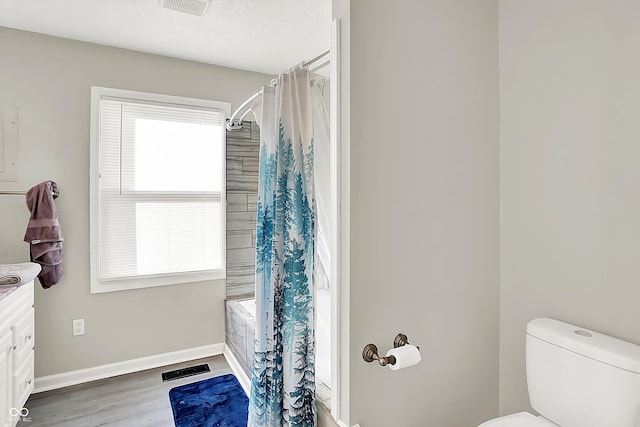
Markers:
point(44, 234)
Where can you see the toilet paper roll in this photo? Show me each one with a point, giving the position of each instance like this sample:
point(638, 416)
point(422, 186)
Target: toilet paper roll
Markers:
point(407, 355)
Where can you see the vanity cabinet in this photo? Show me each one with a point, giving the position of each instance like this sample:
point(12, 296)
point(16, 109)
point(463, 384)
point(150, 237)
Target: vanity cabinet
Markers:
point(16, 353)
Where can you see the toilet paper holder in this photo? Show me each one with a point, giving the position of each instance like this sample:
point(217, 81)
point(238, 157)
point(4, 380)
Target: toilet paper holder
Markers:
point(370, 351)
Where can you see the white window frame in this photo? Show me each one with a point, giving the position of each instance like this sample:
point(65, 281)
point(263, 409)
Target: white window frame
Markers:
point(97, 94)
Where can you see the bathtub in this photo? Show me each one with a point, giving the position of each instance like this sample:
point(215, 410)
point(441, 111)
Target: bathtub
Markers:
point(250, 306)
point(240, 322)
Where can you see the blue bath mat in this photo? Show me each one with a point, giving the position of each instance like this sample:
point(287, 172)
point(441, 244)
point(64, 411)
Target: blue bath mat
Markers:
point(215, 402)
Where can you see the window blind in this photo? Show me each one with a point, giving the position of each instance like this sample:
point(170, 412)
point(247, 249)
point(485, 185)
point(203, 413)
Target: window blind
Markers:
point(160, 187)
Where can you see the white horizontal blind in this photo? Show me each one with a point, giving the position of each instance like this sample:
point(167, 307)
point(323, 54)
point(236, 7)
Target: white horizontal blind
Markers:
point(161, 181)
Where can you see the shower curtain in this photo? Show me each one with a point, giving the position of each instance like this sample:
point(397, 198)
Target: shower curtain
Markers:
point(322, 180)
point(283, 377)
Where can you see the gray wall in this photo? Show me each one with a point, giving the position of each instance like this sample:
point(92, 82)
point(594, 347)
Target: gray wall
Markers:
point(243, 149)
point(49, 79)
point(570, 197)
point(424, 209)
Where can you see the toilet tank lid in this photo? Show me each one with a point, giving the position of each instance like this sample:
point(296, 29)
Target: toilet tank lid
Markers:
point(606, 349)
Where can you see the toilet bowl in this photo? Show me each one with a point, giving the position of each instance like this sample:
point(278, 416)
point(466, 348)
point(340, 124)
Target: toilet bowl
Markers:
point(577, 378)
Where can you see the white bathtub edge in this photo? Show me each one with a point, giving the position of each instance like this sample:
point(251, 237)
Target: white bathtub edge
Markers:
point(244, 380)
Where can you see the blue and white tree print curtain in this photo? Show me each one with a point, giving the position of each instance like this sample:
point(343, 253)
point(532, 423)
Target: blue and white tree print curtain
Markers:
point(283, 378)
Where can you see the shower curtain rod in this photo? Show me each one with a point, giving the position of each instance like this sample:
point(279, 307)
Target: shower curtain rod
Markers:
point(236, 124)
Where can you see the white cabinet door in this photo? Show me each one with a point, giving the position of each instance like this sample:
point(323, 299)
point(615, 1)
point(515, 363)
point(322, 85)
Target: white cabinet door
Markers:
point(6, 368)
point(23, 337)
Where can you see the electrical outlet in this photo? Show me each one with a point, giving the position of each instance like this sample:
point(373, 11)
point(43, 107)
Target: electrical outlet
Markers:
point(78, 327)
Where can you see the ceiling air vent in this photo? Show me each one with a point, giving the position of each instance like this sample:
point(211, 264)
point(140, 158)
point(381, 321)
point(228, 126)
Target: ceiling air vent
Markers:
point(193, 7)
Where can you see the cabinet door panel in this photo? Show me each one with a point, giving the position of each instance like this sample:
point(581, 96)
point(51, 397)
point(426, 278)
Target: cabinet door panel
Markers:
point(6, 368)
point(24, 338)
point(23, 381)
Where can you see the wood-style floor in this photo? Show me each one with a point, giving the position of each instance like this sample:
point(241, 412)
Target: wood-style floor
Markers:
point(132, 400)
point(138, 399)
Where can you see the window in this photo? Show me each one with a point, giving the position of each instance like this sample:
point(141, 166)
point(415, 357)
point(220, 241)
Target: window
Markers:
point(157, 189)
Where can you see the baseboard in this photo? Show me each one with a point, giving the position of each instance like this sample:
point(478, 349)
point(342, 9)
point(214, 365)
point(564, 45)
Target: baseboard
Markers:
point(343, 424)
point(66, 379)
point(244, 380)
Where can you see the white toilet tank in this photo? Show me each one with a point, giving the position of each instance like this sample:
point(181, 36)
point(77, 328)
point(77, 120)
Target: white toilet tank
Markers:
point(580, 378)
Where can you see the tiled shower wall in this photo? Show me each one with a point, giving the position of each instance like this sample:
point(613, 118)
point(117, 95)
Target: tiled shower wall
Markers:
point(243, 148)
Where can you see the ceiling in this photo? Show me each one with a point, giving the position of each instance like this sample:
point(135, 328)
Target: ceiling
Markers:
point(267, 36)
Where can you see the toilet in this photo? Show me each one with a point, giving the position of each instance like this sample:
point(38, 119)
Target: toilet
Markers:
point(577, 378)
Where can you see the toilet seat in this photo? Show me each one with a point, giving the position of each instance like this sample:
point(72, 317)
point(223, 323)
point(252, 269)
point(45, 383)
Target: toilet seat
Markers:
point(521, 419)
